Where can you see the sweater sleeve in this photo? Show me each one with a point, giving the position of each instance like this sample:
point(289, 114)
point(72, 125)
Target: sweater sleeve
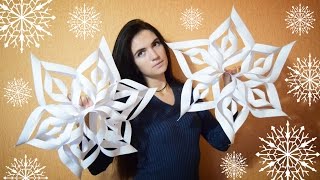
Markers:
point(212, 131)
point(100, 164)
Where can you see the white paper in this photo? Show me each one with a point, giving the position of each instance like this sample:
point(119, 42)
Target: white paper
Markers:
point(252, 89)
point(60, 125)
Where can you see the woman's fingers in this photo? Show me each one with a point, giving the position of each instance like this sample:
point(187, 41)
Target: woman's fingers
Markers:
point(84, 101)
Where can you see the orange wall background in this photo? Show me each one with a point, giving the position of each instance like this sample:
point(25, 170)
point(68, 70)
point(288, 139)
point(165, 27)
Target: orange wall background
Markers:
point(265, 21)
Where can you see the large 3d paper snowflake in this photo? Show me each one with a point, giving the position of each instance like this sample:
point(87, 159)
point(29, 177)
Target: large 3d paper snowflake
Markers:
point(25, 169)
point(17, 92)
point(24, 22)
point(191, 18)
point(300, 19)
point(60, 124)
point(304, 80)
point(252, 90)
point(84, 21)
point(288, 153)
point(234, 165)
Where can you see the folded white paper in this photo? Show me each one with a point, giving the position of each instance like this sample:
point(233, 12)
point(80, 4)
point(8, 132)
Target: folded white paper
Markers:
point(60, 125)
point(251, 90)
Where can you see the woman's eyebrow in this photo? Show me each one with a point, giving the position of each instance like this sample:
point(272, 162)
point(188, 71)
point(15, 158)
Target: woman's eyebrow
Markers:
point(139, 50)
point(156, 39)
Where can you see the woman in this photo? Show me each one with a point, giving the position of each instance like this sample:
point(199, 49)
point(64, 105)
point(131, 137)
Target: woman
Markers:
point(167, 148)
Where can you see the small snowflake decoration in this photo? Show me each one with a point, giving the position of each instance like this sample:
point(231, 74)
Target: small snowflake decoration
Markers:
point(25, 169)
point(234, 165)
point(24, 22)
point(300, 19)
point(84, 21)
point(191, 19)
point(17, 92)
point(288, 153)
point(304, 80)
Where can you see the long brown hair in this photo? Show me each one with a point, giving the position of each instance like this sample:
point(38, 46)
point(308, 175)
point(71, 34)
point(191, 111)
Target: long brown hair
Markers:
point(124, 60)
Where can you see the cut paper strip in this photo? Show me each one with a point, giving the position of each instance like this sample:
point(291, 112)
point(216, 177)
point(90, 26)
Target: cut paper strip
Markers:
point(61, 125)
point(251, 90)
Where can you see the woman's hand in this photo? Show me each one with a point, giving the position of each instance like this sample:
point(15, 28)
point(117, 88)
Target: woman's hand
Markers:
point(85, 102)
point(227, 74)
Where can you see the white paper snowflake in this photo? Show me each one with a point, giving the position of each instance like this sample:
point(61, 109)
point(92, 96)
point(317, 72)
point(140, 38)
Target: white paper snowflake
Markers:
point(300, 19)
point(25, 169)
point(24, 22)
point(288, 153)
point(84, 21)
point(17, 92)
point(191, 18)
point(234, 165)
point(304, 80)
point(251, 90)
point(58, 123)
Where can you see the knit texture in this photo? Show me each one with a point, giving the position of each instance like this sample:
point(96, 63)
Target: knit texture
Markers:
point(168, 148)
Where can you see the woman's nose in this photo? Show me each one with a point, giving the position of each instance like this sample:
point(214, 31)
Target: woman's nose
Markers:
point(153, 54)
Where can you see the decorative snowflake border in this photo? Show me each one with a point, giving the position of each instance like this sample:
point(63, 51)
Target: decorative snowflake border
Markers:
point(304, 80)
point(288, 153)
point(25, 169)
point(234, 165)
point(191, 19)
point(24, 23)
point(300, 19)
point(17, 92)
point(84, 21)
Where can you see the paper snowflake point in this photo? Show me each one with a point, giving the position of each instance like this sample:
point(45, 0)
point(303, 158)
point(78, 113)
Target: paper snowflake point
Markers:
point(230, 45)
point(292, 154)
point(61, 125)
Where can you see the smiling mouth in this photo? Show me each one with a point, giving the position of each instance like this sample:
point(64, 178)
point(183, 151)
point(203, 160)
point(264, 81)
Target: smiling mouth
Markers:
point(159, 63)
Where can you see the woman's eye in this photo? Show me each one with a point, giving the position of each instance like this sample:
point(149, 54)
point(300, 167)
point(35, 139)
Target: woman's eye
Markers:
point(157, 43)
point(141, 53)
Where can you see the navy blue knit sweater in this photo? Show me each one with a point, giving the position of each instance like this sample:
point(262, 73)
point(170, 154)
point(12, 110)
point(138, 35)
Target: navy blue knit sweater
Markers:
point(169, 149)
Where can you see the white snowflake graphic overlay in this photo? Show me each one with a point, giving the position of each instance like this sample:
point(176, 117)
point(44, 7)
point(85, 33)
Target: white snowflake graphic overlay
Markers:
point(84, 21)
point(17, 92)
point(191, 18)
point(300, 19)
point(304, 80)
point(25, 169)
point(234, 165)
point(24, 22)
point(288, 153)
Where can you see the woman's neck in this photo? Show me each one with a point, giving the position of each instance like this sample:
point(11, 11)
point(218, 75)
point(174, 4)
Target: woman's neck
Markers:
point(156, 82)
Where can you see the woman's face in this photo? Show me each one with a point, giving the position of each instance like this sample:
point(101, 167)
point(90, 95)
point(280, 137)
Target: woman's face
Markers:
point(149, 54)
